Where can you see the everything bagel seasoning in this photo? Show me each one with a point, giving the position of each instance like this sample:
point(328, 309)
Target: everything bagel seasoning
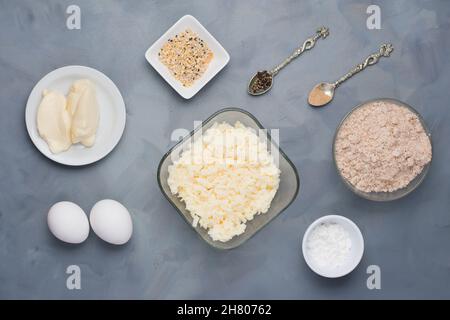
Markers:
point(186, 56)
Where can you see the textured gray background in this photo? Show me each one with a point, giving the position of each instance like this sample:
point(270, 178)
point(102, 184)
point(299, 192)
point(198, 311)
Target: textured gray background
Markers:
point(409, 238)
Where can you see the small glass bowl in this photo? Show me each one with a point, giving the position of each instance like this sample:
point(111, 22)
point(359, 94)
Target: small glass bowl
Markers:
point(385, 196)
point(287, 191)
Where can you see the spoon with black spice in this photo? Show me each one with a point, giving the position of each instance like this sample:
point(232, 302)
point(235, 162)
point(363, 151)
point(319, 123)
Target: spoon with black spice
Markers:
point(262, 81)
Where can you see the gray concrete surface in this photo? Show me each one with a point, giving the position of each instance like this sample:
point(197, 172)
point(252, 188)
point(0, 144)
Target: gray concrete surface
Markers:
point(409, 239)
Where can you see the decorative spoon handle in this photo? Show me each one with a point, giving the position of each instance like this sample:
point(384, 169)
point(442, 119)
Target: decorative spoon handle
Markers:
point(385, 51)
point(309, 43)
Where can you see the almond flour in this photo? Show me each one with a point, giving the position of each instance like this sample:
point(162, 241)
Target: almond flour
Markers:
point(382, 147)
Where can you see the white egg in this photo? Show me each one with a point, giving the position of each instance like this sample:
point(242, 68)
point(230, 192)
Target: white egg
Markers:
point(111, 221)
point(68, 222)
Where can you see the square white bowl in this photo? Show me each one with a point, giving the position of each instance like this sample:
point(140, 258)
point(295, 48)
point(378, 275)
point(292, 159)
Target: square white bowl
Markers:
point(220, 59)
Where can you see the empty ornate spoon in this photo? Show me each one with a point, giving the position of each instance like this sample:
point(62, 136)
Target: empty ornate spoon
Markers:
point(262, 81)
point(323, 92)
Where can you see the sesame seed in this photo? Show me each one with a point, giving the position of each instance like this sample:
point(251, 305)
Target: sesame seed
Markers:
point(186, 59)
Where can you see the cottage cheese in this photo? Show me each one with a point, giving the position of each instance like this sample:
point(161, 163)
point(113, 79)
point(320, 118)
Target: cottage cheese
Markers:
point(225, 178)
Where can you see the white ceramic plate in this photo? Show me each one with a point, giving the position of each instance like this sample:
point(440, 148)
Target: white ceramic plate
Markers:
point(112, 114)
point(220, 59)
point(356, 252)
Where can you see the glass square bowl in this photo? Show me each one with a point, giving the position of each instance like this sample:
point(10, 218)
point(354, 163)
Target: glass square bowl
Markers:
point(287, 191)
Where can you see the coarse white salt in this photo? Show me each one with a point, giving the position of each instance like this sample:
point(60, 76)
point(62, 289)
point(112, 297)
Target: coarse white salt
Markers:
point(329, 245)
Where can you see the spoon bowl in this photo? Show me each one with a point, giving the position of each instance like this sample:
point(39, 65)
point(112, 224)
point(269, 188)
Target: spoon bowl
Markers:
point(321, 94)
point(261, 82)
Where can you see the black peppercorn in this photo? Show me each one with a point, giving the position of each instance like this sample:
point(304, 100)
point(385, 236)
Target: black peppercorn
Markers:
point(262, 82)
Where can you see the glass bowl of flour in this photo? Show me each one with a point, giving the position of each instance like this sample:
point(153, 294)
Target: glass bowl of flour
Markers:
point(382, 149)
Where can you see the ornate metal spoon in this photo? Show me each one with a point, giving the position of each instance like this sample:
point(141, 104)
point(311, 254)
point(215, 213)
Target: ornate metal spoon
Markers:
point(323, 92)
point(262, 81)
